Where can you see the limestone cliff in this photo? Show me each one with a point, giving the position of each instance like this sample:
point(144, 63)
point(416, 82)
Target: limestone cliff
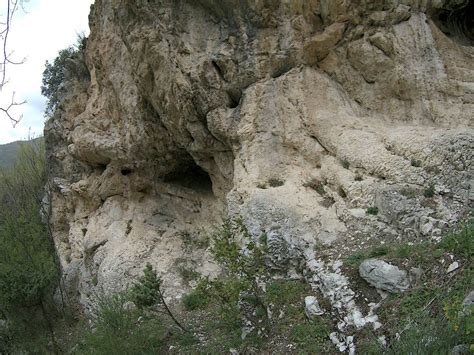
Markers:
point(297, 115)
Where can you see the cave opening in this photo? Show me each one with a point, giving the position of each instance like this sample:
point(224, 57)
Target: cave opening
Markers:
point(191, 176)
point(458, 23)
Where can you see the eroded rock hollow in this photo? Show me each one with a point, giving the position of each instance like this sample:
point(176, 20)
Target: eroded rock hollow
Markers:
point(298, 115)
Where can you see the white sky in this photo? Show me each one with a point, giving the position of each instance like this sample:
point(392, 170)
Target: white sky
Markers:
point(37, 35)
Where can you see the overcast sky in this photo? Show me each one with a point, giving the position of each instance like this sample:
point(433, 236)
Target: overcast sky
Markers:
point(37, 35)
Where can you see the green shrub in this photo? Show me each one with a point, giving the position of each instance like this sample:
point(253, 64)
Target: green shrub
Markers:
point(274, 182)
point(373, 210)
point(195, 300)
point(429, 191)
point(198, 298)
point(117, 330)
point(147, 293)
point(461, 242)
point(415, 163)
point(54, 73)
point(316, 185)
point(245, 264)
point(28, 270)
point(345, 164)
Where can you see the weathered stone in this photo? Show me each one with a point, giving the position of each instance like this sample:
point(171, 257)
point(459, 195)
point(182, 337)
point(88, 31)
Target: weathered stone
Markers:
point(452, 267)
point(468, 304)
point(384, 276)
point(312, 308)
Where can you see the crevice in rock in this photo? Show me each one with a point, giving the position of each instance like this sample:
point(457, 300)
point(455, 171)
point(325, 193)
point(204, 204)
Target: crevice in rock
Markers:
point(281, 71)
point(319, 142)
point(234, 97)
point(218, 70)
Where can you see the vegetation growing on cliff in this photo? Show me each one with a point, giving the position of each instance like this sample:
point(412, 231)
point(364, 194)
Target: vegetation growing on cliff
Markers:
point(69, 59)
point(28, 271)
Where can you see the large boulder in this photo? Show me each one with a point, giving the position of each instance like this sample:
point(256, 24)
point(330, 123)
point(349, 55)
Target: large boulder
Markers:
point(384, 276)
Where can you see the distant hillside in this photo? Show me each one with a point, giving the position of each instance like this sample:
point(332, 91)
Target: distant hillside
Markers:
point(8, 152)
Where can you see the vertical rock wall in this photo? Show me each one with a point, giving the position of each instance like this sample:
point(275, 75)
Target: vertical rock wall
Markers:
point(296, 115)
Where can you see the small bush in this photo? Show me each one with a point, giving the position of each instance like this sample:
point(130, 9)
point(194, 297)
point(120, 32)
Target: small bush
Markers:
point(273, 182)
point(345, 164)
point(429, 191)
point(358, 177)
point(415, 163)
point(195, 300)
point(373, 210)
point(316, 185)
point(187, 273)
point(54, 74)
point(119, 331)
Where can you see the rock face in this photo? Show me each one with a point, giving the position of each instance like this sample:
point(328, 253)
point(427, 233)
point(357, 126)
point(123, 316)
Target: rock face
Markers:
point(384, 276)
point(296, 115)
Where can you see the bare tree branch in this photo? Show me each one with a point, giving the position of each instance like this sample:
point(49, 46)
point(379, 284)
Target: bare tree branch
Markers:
point(7, 112)
point(12, 6)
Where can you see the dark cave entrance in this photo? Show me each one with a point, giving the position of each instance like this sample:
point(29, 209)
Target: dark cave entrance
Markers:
point(458, 23)
point(191, 176)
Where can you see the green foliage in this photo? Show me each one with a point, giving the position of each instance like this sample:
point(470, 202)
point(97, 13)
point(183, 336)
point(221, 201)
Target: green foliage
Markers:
point(28, 273)
point(373, 210)
point(281, 293)
point(345, 164)
point(429, 317)
point(248, 263)
point(356, 259)
point(54, 74)
point(9, 152)
point(146, 292)
point(244, 259)
point(199, 298)
point(28, 270)
point(312, 337)
point(117, 330)
point(424, 335)
point(461, 242)
point(429, 191)
point(415, 163)
point(274, 182)
point(316, 185)
point(195, 300)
